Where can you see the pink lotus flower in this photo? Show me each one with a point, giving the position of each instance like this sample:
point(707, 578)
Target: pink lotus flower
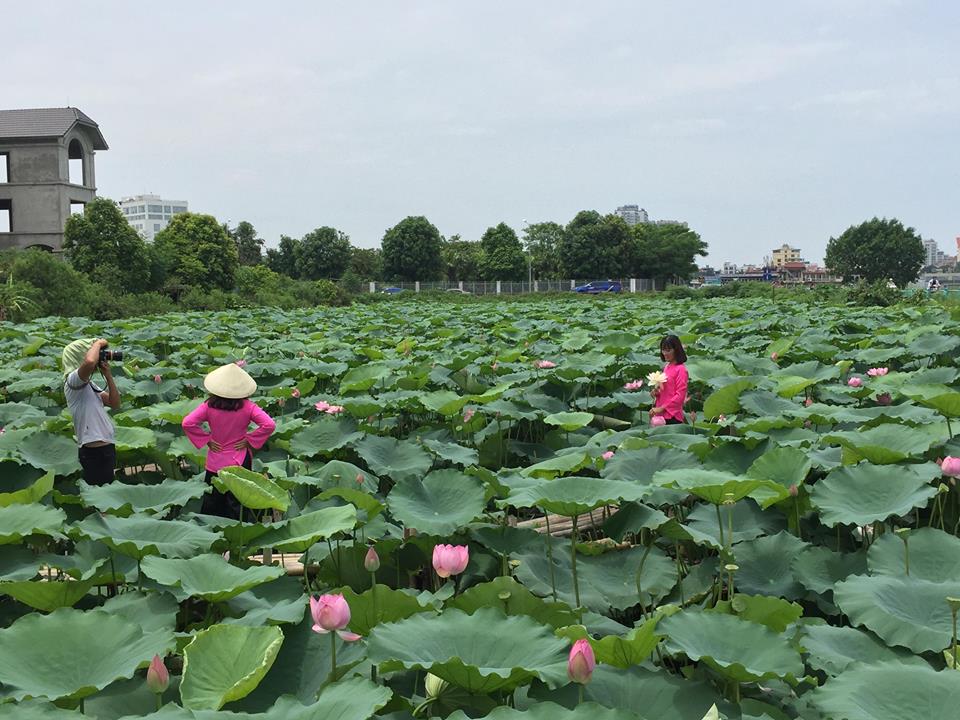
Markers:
point(157, 379)
point(794, 490)
point(607, 455)
point(468, 414)
point(658, 420)
point(854, 382)
point(321, 405)
point(581, 663)
point(295, 393)
point(372, 561)
point(774, 356)
point(359, 478)
point(808, 402)
point(450, 559)
point(334, 409)
point(877, 372)
point(884, 399)
point(158, 678)
point(545, 364)
point(239, 363)
point(331, 614)
point(721, 419)
point(950, 466)
point(633, 385)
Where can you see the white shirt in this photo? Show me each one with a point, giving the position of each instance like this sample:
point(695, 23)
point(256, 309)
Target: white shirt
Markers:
point(90, 420)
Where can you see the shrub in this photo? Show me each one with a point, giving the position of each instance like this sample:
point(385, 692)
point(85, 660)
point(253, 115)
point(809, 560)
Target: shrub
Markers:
point(875, 293)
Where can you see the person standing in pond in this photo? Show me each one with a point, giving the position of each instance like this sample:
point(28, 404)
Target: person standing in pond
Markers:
point(228, 413)
point(671, 396)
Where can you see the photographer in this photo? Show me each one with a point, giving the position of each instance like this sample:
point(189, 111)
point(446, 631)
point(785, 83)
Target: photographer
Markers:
point(92, 425)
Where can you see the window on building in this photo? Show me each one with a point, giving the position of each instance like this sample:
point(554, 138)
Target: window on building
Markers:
point(76, 208)
point(166, 209)
point(4, 168)
point(141, 208)
point(155, 208)
point(76, 162)
point(179, 209)
point(155, 216)
point(156, 227)
point(6, 216)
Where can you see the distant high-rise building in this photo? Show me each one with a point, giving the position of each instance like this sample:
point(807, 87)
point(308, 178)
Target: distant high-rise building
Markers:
point(785, 254)
point(632, 214)
point(934, 256)
point(149, 214)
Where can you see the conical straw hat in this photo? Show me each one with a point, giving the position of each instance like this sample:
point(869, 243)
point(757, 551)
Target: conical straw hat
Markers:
point(230, 381)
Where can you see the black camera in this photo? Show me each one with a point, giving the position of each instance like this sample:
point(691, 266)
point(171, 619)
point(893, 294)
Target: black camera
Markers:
point(111, 355)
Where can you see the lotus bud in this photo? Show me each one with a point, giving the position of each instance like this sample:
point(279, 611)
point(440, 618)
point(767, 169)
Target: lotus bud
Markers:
point(774, 356)
point(581, 662)
point(950, 466)
point(794, 490)
point(239, 363)
point(295, 393)
point(157, 379)
point(331, 613)
point(854, 382)
point(607, 455)
point(657, 421)
point(372, 561)
point(450, 559)
point(157, 676)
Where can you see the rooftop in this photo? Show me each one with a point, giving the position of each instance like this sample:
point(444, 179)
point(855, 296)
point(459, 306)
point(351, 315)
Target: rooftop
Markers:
point(47, 123)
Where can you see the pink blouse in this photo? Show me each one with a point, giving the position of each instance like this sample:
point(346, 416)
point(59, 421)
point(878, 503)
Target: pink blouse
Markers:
point(673, 394)
point(228, 427)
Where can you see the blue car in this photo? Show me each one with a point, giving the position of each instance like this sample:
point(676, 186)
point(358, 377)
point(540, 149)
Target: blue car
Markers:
point(600, 286)
point(391, 290)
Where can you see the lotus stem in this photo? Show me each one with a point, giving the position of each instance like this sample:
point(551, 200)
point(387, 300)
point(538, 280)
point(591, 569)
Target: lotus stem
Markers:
point(643, 609)
point(720, 525)
point(580, 695)
point(376, 618)
point(306, 570)
point(333, 656)
point(553, 581)
point(949, 429)
point(953, 613)
point(159, 701)
point(573, 561)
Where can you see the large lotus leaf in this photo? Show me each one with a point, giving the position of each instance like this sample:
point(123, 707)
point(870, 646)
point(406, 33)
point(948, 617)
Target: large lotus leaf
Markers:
point(573, 495)
point(442, 502)
point(861, 494)
point(383, 605)
point(569, 421)
point(605, 581)
point(129, 438)
point(633, 517)
point(818, 568)
point(138, 535)
point(639, 465)
point(280, 601)
point(513, 598)
point(341, 474)
point(726, 400)
point(749, 522)
point(252, 490)
point(560, 464)
point(47, 596)
point(739, 649)
point(34, 492)
point(765, 566)
point(398, 459)
point(124, 499)
point(35, 710)
point(225, 662)
point(50, 656)
point(934, 556)
point(552, 711)
point(834, 649)
point(324, 436)
point(902, 611)
point(364, 377)
point(302, 532)
point(17, 414)
point(939, 398)
point(789, 386)
point(623, 651)
point(154, 613)
point(457, 454)
point(18, 563)
point(658, 694)
point(20, 521)
point(50, 452)
point(885, 444)
point(207, 576)
point(445, 402)
point(889, 691)
point(718, 487)
point(785, 465)
point(462, 650)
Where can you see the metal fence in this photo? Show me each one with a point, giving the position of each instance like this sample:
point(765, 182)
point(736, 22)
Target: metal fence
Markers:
point(510, 287)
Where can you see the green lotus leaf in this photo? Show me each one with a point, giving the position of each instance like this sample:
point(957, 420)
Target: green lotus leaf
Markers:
point(35, 710)
point(566, 463)
point(20, 521)
point(659, 694)
point(441, 503)
point(361, 500)
point(738, 649)
point(225, 663)
point(571, 495)
point(47, 451)
point(632, 517)
point(389, 605)
point(154, 613)
point(945, 403)
point(140, 535)
point(207, 576)
point(552, 711)
point(773, 612)
point(627, 650)
point(338, 473)
point(861, 494)
point(302, 532)
point(123, 499)
point(765, 566)
point(129, 438)
point(445, 402)
point(513, 598)
point(718, 487)
point(32, 493)
point(569, 420)
point(818, 569)
point(784, 465)
point(18, 415)
point(279, 601)
point(253, 490)
point(323, 436)
point(364, 377)
point(726, 400)
point(397, 459)
point(934, 555)
point(46, 596)
point(749, 522)
point(457, 454)
point(460, 649)
point(789, 386)
point(18, 563)
point(889, 691)
point(902, 611)
point(834, 649)
point(885, 444)
point(48, 656)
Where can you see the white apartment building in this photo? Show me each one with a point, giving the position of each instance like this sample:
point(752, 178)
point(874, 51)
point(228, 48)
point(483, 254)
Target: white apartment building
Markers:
point(149, 214)
point(632, 214)
point(934, 255)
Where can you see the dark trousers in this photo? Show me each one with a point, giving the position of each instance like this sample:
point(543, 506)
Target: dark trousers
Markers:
point(674, 421)
point(99, 463)
point(223, 505)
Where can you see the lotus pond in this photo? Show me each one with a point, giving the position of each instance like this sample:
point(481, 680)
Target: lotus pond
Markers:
point(791, 554)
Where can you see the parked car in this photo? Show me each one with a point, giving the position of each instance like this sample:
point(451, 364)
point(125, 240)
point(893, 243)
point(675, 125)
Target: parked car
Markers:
point(600, 286)
point(392, 290)
point(459, 291)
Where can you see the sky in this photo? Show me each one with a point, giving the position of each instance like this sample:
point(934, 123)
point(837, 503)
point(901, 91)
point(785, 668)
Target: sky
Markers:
point(758, 123)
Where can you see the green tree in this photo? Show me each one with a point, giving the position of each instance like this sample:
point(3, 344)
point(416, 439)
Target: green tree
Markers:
point(502, 255)
point(366, 263)
point(461, 259)
point(411, 250)
point(596, 246)
point(249, 246)
point(324, 254)
point(60, 289)
point(102, 245)
point(198, 252)
point(666, 252)
point(284, 258)
point(877, 250)
point(542, 242)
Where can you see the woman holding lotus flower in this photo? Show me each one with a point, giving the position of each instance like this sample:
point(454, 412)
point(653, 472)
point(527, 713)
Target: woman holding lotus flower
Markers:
point(669, 388)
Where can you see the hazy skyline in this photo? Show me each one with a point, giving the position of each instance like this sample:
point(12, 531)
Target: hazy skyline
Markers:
point(757, 123)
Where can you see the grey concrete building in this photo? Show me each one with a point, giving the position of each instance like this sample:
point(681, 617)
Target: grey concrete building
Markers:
point(46, 172)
